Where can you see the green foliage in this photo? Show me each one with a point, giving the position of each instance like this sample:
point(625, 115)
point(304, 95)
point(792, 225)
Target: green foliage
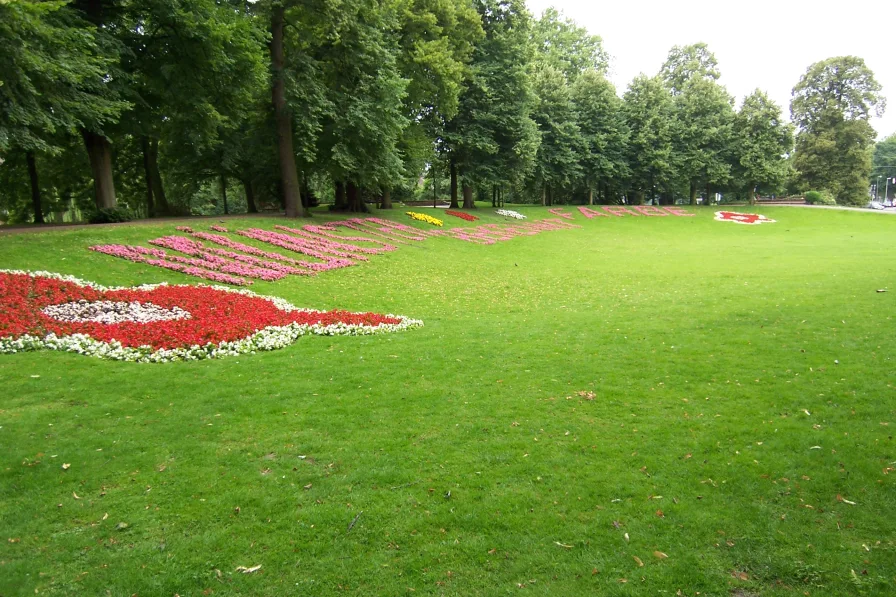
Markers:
point(110, 215)
point(703, 133)
point(688, 63)
point(605, 132)
point(562, 44)
point(762, 142)
point(51, 76)
point(493, 137)
point(831, 106)
point(883, 163)
point(557, 161)
point(820, 198)
point(648, 112)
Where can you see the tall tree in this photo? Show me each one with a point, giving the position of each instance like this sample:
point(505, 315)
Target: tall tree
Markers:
point(557, 159)
point(604, 131)
point(687, 63)
point(51, 81)
point(704, 135)
point(762, 141)
point(562, 44)
point(493, 138)
point(647, 107)
point(831, 106)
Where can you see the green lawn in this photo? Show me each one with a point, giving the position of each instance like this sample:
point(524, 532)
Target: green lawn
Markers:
point(579, 405)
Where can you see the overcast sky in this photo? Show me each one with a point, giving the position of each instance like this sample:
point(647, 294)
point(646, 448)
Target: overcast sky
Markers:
point(761, 44)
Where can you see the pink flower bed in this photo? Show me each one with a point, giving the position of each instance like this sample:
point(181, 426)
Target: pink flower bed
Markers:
point(635, 210)
point(237, 263)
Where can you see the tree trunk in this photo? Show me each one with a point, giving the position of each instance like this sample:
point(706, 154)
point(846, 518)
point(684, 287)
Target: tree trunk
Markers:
point(494, 195)
point(468, 197)
point(752, 192)
point(158, 191)
point(590, 196)
point(639, 198)
point(283, 119)
point(453, 185)
point(147, 174)
point(387, 199)
point(100, 154)
point(340, 204)
point(250, 196)
point(707, 201)
point(35, 188)
point(353, 195)
point(693, 193)
point(224, 193)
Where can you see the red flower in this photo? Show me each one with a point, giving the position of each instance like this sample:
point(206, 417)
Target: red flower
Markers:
point(215, 315)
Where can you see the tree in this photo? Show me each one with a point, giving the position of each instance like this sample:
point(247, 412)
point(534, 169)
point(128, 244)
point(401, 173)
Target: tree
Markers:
point(703, 134)
point(647, 108)
point(493, 138)
point(884, 162)
point(562, 144)
point(687, 63)
point(567, 47)
point(763, 141)
point(51, 81)
point(831, 106)
point(604, 131)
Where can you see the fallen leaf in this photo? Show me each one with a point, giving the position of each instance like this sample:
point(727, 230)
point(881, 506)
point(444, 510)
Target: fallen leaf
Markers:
point(840, 498)
point(76, 496)
point(660, 514)
point(121, 526)
point(740, 575)
point(105, 516)
point(245, 570)
point(626, 537)
point(307, 486)
point(66, 466)
point(660, 555)
point(563, 545)
point(638, 561)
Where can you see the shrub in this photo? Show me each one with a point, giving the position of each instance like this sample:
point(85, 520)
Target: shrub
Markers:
point(819, 198)
point(109, 215)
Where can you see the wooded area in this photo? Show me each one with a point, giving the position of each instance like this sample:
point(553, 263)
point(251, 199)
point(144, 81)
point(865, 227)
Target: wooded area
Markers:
point(170, 107)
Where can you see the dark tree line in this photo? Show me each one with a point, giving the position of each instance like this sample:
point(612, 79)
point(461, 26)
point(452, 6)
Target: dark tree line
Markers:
point(158, 106)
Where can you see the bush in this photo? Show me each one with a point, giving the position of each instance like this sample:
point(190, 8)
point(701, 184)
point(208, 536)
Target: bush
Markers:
point(819, 198)
point(109, 215)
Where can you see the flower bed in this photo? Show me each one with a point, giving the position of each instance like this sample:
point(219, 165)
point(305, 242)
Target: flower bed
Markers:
point(509, 213)
point(158, 323)
point(739, 218)
point(462, 215)
point(424, 218)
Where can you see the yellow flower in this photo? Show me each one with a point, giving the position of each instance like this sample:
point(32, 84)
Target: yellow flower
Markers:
point(424, 218)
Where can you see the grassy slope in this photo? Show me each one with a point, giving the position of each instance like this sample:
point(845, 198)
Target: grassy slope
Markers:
point(703, 343)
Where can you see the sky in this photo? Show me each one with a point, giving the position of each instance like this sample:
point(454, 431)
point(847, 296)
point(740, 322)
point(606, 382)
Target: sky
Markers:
point(760, 44)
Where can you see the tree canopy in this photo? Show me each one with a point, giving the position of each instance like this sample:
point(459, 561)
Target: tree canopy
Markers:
point(176, 106)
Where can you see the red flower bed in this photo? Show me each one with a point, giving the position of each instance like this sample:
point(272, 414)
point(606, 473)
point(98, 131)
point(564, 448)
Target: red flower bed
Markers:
point(462, 215)
point(215, 315)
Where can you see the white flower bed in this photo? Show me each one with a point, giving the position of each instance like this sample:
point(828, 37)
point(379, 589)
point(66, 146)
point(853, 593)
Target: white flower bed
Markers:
point(509, 213)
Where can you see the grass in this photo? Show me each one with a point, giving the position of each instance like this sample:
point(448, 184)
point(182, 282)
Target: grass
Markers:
point(577, 401)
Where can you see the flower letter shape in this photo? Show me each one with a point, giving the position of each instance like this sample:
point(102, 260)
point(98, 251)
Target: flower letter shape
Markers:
point(739, 218)
point(161, 322)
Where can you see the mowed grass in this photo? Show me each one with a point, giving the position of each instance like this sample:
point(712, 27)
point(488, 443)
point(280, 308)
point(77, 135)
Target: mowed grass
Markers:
point(636, 407)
